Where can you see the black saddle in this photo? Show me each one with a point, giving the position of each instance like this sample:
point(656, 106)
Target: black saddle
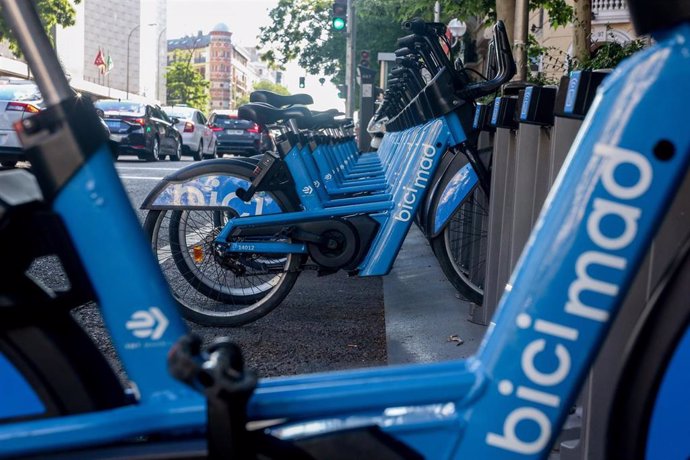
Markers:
point(266, 114)
point(277, 100)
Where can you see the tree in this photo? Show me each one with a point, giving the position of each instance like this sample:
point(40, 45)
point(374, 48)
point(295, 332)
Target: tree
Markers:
point(262, 85)
point(185, 84)
point(52, 12)
point(582, 32)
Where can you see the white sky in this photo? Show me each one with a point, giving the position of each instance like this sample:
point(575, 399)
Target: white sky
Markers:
point(244, 18)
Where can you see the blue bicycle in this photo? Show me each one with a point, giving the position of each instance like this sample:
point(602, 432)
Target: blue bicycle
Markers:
point(508, 401)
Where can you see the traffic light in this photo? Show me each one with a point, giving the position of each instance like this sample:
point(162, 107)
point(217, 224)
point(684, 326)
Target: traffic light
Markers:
point(301, 82)
point(339, 16)
point(364, 58)
point(342, 91)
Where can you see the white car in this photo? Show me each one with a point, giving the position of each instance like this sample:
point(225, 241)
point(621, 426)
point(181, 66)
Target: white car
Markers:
point(18, 100)
point(198, 139)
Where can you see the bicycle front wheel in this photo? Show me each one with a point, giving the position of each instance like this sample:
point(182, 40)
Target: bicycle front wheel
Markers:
point(461, 248)
point(51, 368)
point(650, 417)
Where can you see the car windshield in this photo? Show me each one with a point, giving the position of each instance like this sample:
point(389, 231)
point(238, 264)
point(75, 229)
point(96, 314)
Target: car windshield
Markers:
point(22, 92)
point(179, 112)
point(227, 121)
point(133, 108)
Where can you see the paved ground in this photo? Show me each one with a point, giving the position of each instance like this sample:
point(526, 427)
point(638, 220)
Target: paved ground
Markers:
point(425, 319)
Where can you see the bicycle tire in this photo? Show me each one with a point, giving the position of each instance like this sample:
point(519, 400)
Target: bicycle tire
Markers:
point(61, 366)
point(461, 248)
point(664, 324)
point(219, 299)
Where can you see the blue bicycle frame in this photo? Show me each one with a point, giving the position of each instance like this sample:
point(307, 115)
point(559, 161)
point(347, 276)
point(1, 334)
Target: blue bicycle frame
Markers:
point(506, 402)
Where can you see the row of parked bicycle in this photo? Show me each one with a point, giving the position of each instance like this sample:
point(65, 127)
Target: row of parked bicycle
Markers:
point(233, 235)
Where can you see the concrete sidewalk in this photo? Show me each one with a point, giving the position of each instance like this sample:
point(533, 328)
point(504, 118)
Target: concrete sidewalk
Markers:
point(424, 316)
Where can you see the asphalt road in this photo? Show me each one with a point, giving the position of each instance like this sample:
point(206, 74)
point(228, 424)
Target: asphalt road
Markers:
point(326, 323)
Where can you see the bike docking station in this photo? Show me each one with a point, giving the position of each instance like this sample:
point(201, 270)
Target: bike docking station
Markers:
point(532, 129)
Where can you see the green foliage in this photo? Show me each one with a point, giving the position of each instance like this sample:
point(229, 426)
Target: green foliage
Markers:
point(185, 84)
point(610, 54)
point(52, 12)
point(265, 85)
point(301, 30)
point(560, 13)
point(553, 61)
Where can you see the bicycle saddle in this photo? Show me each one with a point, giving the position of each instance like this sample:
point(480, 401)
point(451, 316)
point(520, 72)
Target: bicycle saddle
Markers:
point(277, 100)
point(324, 119)
point(265, 114)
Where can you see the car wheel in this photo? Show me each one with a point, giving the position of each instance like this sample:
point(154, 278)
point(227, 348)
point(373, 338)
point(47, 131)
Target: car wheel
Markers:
point(8, 164)
point(198, 154)
point(178, 152)
point(155, 151)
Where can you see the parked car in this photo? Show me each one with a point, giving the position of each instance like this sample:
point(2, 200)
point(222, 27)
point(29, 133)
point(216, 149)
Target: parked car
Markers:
point(18, 99)
point(141, 129)
point(198, 139)
point(237, 136)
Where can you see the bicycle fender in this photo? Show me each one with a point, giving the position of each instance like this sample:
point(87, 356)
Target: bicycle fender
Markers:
point(425, 209)
point(452, 196)
point(210, 184)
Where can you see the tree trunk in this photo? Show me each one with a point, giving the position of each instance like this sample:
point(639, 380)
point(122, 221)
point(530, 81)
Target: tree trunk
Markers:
point(582, 30)
point(505, 11)
point(520, 38)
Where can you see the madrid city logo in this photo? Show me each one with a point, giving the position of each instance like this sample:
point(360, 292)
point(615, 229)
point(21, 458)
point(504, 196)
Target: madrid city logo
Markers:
point(148, 324)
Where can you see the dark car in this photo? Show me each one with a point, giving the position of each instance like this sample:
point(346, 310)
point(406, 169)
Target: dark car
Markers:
point(141, 129)
point(238, 137)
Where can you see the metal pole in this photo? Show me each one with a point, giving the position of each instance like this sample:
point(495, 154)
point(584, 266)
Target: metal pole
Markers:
point(349, 59)
point(158, 63)
point(129, 37)
point(520, 38)
point(23, 19)
point(437, 12)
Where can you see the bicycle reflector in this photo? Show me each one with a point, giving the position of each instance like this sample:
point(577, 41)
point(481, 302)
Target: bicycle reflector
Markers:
point(339, 16)
point(198, 252)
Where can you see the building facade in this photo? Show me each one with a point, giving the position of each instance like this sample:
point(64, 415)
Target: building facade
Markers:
point(230, 69)
point(126, 32)
point(610, 22)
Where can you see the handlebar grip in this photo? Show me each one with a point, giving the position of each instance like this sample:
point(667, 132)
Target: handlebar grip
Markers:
point(403, 52)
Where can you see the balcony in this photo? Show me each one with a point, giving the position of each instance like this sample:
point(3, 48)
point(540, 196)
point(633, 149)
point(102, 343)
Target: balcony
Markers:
point(610, 12)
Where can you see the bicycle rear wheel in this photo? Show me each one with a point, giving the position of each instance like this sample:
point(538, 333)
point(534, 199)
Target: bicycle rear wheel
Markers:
point(212, 290)
point(461, 247)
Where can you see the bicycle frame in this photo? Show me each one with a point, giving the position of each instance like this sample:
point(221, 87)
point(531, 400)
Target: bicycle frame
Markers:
point(591, 236)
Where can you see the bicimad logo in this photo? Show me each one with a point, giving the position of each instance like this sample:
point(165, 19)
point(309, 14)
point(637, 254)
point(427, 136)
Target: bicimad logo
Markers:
point(148, 324)
point(307, 190)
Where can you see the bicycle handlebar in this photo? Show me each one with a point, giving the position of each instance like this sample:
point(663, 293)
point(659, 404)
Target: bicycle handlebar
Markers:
point(505, 63)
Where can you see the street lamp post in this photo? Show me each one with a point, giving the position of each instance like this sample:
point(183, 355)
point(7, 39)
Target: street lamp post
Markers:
point(129, 37)
point(158, 63)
